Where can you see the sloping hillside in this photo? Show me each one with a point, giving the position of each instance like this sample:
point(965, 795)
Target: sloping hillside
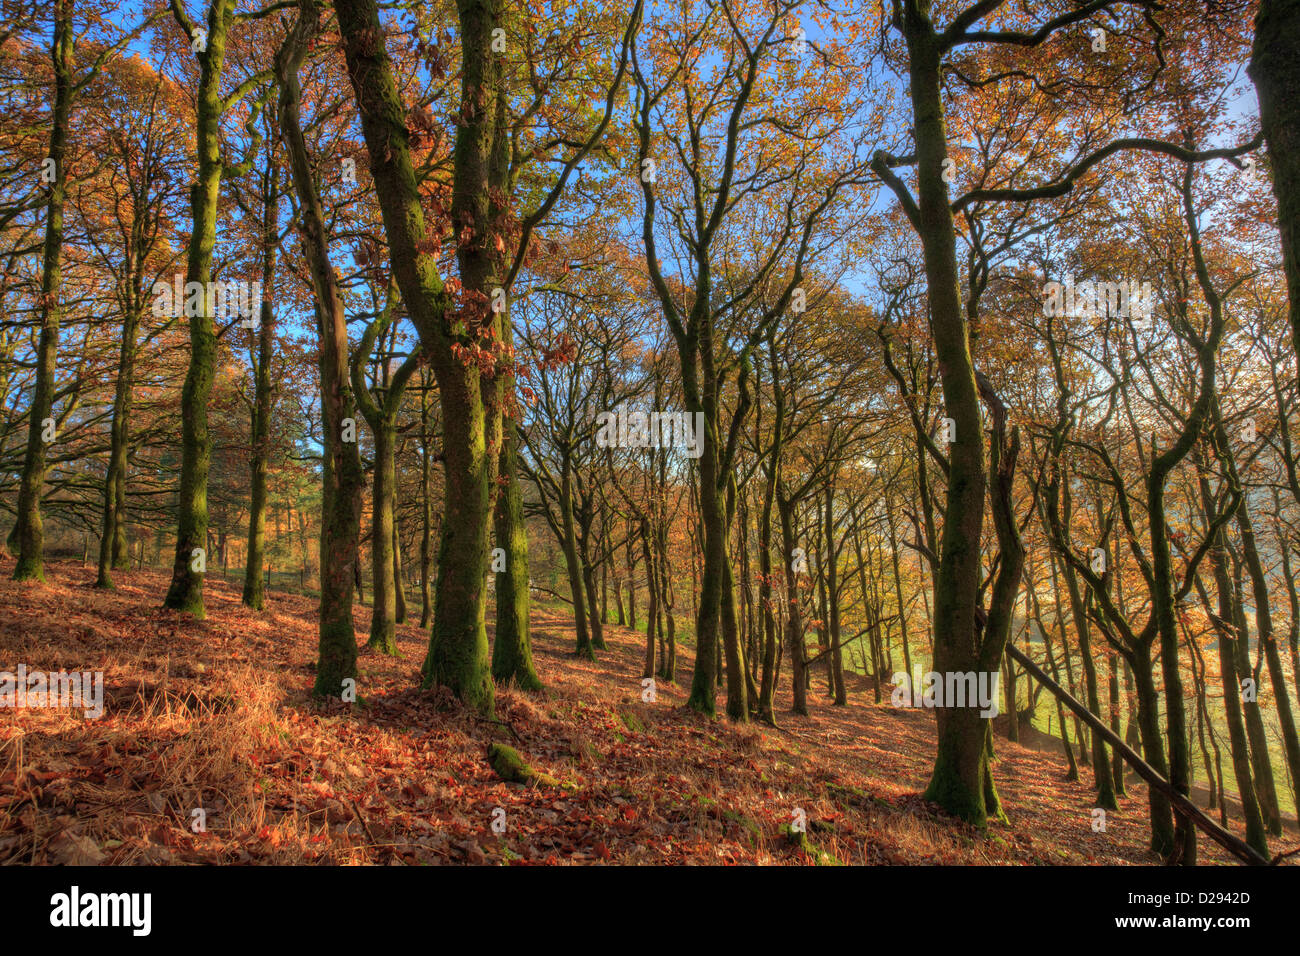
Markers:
point(216, 715)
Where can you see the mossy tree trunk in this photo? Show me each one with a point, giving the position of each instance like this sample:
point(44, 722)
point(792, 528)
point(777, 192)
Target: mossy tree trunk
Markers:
point(771, 475)
point(383, 617)
point(957, 783)
point(458, 646)
point(29, 531)
point(263, 390)
point(380, 412)
point(341, 494)
point(1275, 70)
point(426, 510)
point(112, 542)
point(188, 567)
point(512, 650)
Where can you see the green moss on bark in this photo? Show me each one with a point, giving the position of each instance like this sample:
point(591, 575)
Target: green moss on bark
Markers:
point(511, 767)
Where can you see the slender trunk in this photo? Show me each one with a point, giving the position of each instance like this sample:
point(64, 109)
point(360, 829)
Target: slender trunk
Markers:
point(833, 599)
point(1117, 762)
point(1072, 768)
point(794, 624)
point(957, 783)
point(262, 396)
point(512, 650)
point(573, 566)
point(1264, 632)
point(1239, 746)
point(399, 571)
point(1260, 757)
point(1153, 751)
point(343, 479)
point(112, 543)
point(733, 651)
point(652, 614)
point(898, 594)
point(383, 618)
point(426, 512)
point(1101, 768)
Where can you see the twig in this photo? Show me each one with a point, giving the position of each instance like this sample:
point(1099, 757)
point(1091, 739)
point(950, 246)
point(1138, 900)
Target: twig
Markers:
point(362, 820)
point(500, 723)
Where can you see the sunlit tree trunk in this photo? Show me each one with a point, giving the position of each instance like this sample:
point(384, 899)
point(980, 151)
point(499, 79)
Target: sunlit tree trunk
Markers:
point(343, 479)
point(186, 590)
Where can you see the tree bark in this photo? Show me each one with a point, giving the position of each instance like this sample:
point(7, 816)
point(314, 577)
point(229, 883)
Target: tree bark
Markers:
point(29, 530)
point(186, 590)
point(263, 394)
point(341, 494)
point(458, 647)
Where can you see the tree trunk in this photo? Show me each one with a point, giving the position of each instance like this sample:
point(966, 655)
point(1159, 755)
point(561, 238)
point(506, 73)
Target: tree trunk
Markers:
point(458, 647)
point(341, 494)
point(186, 590)
point(399, 571)
point(426, 512)
point(112, 542)
point(262, 398)
point(794, 623)
point(512, 651)
point(573, 566)
point(383, 619)
point(1101, 769)
point(957, 783)
point(1275, 70)
point(29, 530)
point(833, 599)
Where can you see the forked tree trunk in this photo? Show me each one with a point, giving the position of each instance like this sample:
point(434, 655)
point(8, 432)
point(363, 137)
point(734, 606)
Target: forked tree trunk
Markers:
point(458, 647)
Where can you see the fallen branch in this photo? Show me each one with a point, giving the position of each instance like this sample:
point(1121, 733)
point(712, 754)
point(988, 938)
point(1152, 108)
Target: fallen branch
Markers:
point(1182, 804)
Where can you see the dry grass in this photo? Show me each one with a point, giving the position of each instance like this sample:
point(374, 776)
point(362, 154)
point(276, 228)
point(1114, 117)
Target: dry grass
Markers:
point(217, 714)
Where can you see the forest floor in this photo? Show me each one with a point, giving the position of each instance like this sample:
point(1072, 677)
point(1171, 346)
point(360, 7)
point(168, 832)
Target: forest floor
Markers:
point(217, 715)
